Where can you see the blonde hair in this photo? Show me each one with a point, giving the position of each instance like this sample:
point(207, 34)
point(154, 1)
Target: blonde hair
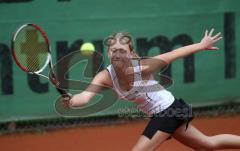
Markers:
point(130, 44)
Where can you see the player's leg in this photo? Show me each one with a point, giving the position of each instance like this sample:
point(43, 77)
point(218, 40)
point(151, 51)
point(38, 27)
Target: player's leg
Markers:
point(150, 144)
point(159, 128)
point(225, 141)
point(195, 139)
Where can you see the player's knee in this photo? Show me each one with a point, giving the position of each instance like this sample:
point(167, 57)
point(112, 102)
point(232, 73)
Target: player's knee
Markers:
point(136, 148)
point(208, 145)
point(140, 148)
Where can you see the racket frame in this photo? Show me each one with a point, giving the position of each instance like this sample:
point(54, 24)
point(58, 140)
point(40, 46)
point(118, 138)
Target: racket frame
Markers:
point(47, 63)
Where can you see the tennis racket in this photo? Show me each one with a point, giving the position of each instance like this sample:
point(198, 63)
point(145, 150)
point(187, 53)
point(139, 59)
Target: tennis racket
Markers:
point(32, 53)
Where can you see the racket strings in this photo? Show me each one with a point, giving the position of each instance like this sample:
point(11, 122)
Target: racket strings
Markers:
point(20, 46)
point(31, 49)
point(32, 61)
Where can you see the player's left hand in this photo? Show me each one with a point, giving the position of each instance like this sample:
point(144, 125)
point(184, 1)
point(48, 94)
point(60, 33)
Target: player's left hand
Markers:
point(208, 40)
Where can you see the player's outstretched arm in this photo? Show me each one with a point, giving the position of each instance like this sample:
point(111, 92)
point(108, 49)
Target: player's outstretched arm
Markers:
point(101, 81)
point(157, 62)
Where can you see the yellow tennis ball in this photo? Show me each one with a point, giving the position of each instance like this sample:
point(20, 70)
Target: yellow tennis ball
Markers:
point(87, 49)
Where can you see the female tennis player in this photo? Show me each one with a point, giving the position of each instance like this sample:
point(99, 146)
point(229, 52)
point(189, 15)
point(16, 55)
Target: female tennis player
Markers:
point(132, 79)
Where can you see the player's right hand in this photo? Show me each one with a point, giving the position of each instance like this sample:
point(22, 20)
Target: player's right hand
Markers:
point(66, 101)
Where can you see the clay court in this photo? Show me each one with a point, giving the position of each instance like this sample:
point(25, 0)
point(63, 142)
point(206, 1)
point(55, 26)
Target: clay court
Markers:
point(109, 138)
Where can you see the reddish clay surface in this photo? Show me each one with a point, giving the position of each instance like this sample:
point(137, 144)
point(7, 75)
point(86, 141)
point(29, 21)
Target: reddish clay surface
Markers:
point(109, 138)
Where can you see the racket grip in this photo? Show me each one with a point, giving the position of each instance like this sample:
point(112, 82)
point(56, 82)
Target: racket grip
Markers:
point(64, 94)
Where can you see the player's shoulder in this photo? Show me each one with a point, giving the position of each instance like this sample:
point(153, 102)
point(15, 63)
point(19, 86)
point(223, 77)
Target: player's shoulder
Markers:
point(104, 73)
point(104, 77)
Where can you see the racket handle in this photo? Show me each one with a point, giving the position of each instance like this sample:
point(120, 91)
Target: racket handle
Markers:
point(64, 94)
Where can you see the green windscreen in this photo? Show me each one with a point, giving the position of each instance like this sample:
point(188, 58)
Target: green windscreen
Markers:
point(201, 79)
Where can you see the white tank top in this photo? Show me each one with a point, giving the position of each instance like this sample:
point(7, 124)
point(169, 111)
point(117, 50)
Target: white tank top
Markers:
point(155, 98)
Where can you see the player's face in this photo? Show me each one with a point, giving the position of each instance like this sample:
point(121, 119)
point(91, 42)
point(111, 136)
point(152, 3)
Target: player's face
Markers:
point(119, 54)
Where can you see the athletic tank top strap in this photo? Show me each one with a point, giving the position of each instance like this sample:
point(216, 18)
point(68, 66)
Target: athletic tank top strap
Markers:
point(137, 70)
point(114, 78)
